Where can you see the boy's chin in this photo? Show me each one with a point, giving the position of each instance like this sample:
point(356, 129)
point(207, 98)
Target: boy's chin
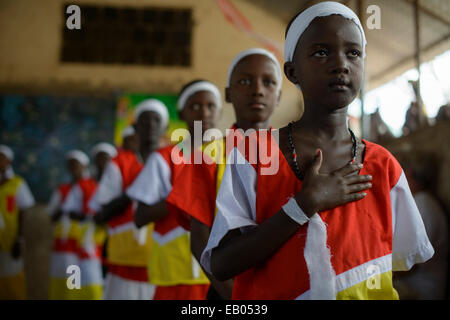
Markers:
point(338, 102)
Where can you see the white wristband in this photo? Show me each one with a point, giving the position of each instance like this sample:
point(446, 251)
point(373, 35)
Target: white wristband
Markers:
point(292, 209)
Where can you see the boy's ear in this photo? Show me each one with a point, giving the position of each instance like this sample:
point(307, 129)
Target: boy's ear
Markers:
point(289, 71)
point(227, 95)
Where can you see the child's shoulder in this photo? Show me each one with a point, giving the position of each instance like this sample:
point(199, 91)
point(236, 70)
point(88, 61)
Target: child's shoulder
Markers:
point(377, 151)
point(379, 158)
point(166, 149)
point(123, 155)
point(16, 180)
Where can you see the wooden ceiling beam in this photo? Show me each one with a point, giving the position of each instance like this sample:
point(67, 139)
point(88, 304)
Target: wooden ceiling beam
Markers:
point(430, 13)
point(380, 74)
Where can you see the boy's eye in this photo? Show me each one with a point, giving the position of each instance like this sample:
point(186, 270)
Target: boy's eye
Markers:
point(211, 106)
point(268, 82)
point(195, 107)
point(244, 82)
point(354, 53)
point(320, 53)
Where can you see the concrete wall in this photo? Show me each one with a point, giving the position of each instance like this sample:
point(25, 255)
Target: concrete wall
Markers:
point(30, 38)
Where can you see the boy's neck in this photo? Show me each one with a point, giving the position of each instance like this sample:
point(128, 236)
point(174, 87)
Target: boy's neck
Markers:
point(332, 124)
point(146, 150)
point(245, 125)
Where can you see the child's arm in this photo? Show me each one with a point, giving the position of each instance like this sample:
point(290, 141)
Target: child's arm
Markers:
point(109, 199)
point(112, 209)
point(150, 189)
point(410, 243)
point(146, 214)
point(199, 239)
point(239, 251)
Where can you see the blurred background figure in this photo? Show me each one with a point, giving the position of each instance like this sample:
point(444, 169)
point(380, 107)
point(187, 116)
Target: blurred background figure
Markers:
point(128, 247)
point(416, 117)
point(88, 239)
point(102, 153)
point(130, 139)
point(379, 130)
point(443, 113)
point(15, 199)
point(427, 280)
point(65, 230)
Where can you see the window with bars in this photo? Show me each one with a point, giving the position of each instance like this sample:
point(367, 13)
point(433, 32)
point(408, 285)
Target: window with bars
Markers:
point(132, 36)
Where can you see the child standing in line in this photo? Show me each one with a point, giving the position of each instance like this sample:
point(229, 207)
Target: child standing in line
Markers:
point(337, 217)
point(15, 199)
point(66, 231)
point(172, 268)
point(128, 247)
point(91, 238)
point(254, 89)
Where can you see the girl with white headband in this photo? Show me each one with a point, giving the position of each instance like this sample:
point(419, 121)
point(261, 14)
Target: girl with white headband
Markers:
point(151, 121)
point(101, 153)
point(172, 269)
point(82, 233)
point(130, 139)
point(253, 88)
point(66, 234)
point(15, 199)
point(337, 217)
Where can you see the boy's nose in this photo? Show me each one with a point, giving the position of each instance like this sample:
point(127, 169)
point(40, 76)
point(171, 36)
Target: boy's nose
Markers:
point(340, 64)
point(205, 111)
point(257, 88)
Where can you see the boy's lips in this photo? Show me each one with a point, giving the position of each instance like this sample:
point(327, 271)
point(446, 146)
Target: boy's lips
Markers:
point(339, 84)
point(257, 105)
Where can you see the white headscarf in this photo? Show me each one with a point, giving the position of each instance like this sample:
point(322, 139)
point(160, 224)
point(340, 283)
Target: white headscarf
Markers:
point(196, 87)
point(303, 20)
point(104, 147)
point(255, 51)
point(78, 155)
point(128, 131)
point(9, 154)
point(153, 105)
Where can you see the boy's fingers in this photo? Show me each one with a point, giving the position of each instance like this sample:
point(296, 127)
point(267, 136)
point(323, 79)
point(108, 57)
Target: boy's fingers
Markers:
point(348, 169)
point(351, 179)
point(358, 187)
point(354, 197)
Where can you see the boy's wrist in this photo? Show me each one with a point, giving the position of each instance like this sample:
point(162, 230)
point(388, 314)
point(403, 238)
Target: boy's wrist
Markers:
point(293, 210)
point(306, 204)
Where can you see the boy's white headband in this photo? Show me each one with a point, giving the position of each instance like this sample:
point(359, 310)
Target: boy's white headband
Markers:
point(9, 154)
point(78, 155)
point(303, 20)
point(104, 147)
point(155, 106)
point(196, 87)
point(128, 131)
point(250, 52)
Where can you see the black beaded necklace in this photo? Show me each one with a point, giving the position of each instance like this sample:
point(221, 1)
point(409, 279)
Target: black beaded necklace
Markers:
point(294, 153)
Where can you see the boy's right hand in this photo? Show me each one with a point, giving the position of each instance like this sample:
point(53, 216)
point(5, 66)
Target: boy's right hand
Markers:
point(327, 191)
